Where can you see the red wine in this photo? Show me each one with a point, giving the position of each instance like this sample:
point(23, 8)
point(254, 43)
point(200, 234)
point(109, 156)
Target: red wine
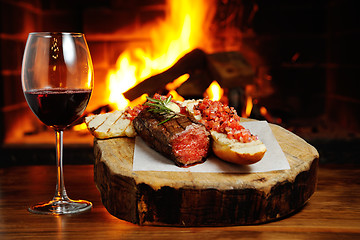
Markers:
point(56, 107)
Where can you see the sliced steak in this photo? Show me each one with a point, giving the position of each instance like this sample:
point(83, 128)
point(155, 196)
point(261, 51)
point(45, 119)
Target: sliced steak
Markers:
point(182, 138)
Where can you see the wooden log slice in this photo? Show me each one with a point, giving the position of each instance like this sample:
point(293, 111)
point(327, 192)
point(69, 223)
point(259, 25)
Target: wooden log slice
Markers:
point(203, 199)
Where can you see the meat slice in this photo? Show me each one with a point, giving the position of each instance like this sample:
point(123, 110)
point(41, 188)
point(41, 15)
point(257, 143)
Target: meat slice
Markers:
point(182, 138)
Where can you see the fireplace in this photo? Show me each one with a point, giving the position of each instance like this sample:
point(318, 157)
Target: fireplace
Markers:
point(300, 59)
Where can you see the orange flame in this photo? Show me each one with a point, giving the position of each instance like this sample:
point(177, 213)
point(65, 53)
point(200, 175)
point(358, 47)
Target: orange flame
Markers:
point(214, 92)
point(184, 28)
point(249, 106)
point(177, 82)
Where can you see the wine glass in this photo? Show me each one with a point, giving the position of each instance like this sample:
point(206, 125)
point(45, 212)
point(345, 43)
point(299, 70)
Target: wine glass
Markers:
point(57, 79)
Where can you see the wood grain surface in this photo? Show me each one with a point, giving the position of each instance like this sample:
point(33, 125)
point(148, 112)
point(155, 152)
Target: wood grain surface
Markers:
point(204, 199)
point(332, 213)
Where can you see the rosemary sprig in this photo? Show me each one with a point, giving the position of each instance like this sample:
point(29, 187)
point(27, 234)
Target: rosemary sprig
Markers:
point(159, 106)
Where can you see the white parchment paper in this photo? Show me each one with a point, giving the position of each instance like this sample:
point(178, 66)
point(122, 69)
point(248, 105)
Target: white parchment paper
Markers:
point(147, 159)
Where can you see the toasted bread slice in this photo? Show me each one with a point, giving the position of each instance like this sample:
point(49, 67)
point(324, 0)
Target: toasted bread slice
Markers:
point(109, 125)
point(237, 152)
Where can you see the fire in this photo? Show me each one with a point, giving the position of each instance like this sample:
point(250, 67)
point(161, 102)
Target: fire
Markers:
point(177, 82)
point(214, 92)
point(249, 106)
point(184, 28)
point(80, 127)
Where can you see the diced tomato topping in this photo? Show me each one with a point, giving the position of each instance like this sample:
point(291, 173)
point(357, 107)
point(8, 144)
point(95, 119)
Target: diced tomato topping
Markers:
point(182, 110)
point(223, 119)
point(132, 113)
point(160, 97)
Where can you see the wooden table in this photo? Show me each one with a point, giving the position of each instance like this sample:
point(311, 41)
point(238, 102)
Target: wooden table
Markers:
point(333, 212)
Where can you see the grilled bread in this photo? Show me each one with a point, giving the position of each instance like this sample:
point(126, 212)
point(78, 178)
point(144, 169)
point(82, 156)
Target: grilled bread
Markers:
point(109, 125)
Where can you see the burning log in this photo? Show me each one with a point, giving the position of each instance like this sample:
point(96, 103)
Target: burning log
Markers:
point(230, 69)
point(192, 61)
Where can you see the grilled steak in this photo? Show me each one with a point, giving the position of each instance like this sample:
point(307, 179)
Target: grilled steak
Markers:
point(182, 138)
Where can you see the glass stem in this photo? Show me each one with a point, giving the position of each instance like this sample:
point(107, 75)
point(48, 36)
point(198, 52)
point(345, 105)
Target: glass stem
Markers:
point(60, 193)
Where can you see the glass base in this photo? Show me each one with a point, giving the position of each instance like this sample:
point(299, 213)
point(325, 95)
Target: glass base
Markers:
point(60, 207)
